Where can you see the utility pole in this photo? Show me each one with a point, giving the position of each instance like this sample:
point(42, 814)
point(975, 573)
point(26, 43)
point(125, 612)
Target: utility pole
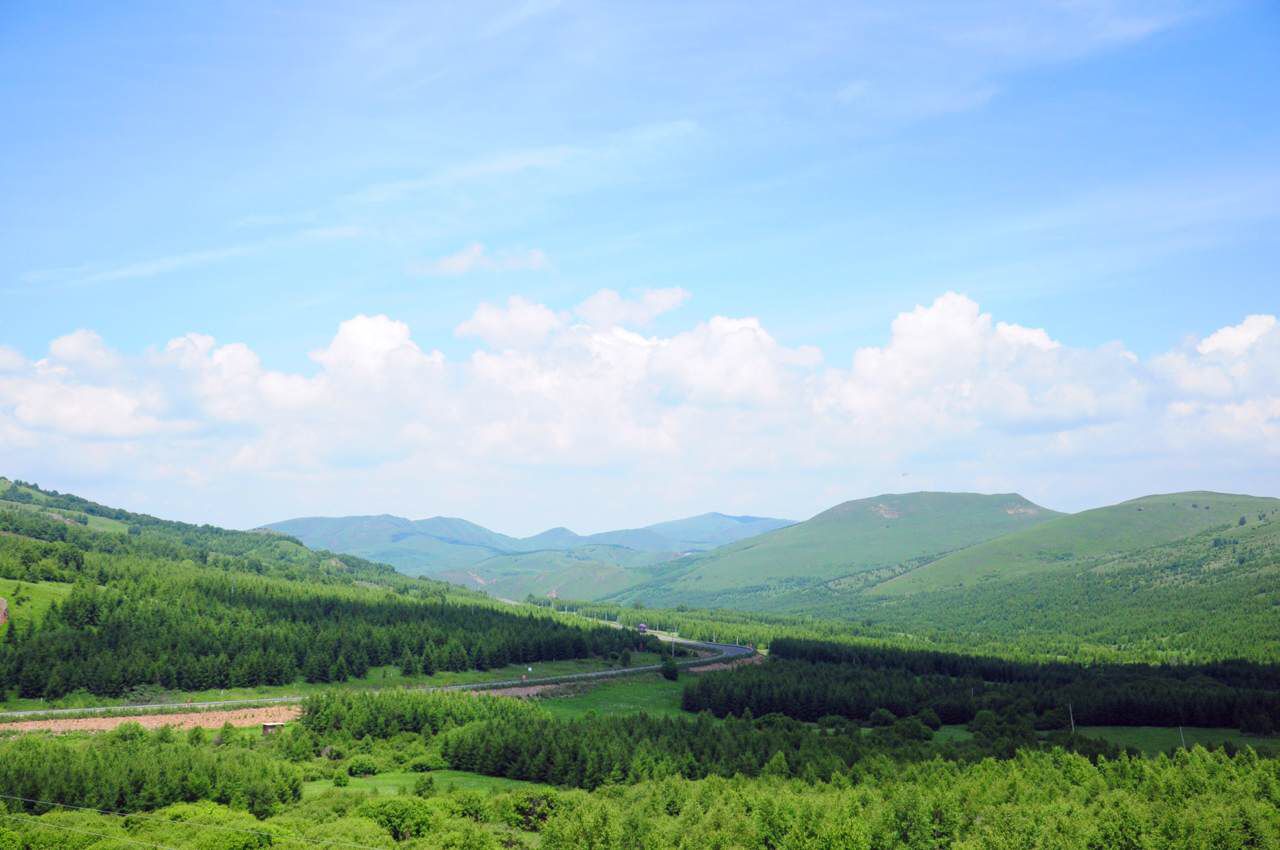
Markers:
point(1183, 737)
point(1071, 714)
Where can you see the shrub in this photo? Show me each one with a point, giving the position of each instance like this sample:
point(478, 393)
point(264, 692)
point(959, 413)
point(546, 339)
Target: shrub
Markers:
point(669, 669)
point(930, 718)
point(362, 766)
point(424, 785)
point(882, 717)
point(402, 817)
point(470, 805)
point(340, 780)
point(422, 764)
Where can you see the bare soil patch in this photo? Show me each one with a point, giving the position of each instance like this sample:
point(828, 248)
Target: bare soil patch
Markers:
point(188, 720)
point(728, 665)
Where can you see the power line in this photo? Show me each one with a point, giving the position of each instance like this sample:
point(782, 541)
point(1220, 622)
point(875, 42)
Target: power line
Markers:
point(219, 827)
point(40, 823)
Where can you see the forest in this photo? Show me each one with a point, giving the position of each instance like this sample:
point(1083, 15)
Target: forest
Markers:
point(766, 782)
point(808, 680)
point(189, 608)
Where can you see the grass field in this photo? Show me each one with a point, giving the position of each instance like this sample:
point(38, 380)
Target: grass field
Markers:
point(29, 600)
point(402, 783)
point(1098, 533)
point(952, 733)
point(94, 523)
point(1158, 739)
point(649, 693)
point(379, 677)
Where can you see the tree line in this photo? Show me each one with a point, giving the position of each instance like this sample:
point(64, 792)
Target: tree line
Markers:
point(808, 679)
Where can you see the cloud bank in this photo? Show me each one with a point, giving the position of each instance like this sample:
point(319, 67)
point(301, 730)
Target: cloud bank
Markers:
point(581, 414)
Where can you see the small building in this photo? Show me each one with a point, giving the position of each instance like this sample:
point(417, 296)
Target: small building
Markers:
point(642, 628)
point(271, 728)
point(4, 611)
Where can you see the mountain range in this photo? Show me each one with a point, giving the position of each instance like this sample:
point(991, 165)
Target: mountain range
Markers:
point(466, 553)
point(1175, 576)
point(988, 570)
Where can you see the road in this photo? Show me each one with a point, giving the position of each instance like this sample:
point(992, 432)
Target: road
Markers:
point(721, 653)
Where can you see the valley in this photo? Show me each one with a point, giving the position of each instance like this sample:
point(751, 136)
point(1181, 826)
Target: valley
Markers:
point(1016, 644)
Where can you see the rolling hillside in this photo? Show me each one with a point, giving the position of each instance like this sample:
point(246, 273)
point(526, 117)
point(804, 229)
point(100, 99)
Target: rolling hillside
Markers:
point(1104, 584)
point(455, 548)
point(856, 543)
point(1101, 533)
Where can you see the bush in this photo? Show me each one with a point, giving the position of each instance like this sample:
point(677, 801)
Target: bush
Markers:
point(911, 729)
point(470, 805)
point(930, 718)
point(529, 810)
point(422, 764)
point(362, 766)
point(882, 717)
point(424, 785)
point(669, 669)
point(402, 817)
point(340, 780)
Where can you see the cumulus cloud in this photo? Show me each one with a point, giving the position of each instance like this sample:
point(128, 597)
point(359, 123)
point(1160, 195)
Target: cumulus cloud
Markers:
point(607, 307)
point(518, 325)
point(1237, 339)
point(476, 258)
point(981, 403)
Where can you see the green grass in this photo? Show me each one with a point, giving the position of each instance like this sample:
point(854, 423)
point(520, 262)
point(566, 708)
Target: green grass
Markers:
point(93, 523)
point(1158, 739)
point(649, 693)
point(866, 536)
point(1096, 534)
point(378, 677)
point(402, 783)
point(952, 733)
point(29, 600)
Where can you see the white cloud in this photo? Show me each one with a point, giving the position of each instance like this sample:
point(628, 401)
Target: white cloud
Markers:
point(520, 324)
point(1235, 340)
point(475, 258)
point(719, 407)
point(10, 360)
point(607, 307)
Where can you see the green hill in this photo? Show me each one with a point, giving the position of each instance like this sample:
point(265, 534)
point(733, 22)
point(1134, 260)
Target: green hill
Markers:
point(1214, 593)
point(172, 606)
point(1099, 533)
point(857, 543)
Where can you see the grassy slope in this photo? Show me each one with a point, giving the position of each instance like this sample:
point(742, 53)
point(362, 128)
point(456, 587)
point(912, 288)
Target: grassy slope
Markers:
point(648, 694)
point(1100, 533)
point(1212, 595)
point(1159, 739)
point(402, 783)
point(32, 598)
point(585, 572)
point(862, 536)
point(39, 502)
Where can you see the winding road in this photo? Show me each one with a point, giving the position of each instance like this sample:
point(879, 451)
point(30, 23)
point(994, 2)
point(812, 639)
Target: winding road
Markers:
point(720, 653)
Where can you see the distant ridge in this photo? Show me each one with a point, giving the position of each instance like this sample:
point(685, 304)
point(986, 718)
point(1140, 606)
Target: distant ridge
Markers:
point(450, 544)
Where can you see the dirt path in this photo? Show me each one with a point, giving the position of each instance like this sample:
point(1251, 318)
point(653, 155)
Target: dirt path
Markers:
point(189, 720)
point(728, 665)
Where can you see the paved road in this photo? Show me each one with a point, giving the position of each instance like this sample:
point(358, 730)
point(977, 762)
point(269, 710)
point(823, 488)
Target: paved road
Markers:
point(721, 652)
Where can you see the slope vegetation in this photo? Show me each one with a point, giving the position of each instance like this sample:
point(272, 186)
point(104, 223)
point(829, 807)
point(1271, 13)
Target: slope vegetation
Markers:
point(1102, 533)
point(858, 543)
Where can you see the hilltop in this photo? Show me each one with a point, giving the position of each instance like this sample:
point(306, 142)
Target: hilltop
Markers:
point(859, 543)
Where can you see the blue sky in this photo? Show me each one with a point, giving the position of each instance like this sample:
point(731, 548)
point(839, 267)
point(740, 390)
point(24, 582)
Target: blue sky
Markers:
point(260, 174)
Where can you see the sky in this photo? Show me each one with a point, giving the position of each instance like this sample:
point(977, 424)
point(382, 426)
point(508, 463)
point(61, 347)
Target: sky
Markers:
point(544, 263)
